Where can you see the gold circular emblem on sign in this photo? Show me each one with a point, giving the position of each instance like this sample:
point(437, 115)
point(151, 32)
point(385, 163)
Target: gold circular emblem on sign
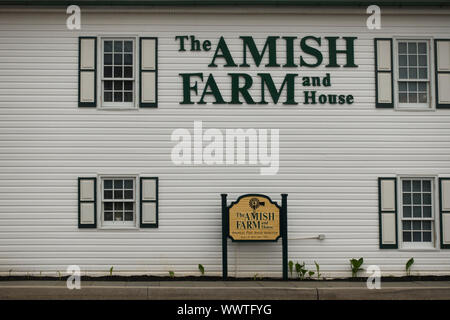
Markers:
point(254, 203)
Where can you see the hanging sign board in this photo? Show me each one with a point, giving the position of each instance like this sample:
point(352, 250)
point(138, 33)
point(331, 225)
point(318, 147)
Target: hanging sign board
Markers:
point(254, 218)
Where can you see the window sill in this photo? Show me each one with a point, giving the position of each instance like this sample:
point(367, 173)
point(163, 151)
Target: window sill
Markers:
point(117, 108)
point(427, 109)
point(118, 228)
point(417, 249)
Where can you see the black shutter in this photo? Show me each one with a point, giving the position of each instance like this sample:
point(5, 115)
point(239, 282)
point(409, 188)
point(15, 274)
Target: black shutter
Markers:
point(384, 79)
point(148, 72)
point(87, 72)
point(387, 210)
point(87, 202)
point(442, 72)
point(444, 212)
point(148, 207)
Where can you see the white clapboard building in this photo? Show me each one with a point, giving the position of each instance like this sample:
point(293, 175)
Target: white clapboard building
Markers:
point(123, 122)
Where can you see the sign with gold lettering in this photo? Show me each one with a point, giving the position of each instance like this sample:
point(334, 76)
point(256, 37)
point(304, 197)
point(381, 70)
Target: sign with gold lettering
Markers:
point(254, 218)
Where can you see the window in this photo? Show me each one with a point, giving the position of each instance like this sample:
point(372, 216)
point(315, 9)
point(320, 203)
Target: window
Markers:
point(413, 80)
point(417, 218)
point(118, 74)
point(119, 201)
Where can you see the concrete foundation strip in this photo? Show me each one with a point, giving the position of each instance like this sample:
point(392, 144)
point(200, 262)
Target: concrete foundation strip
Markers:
point(224, 293)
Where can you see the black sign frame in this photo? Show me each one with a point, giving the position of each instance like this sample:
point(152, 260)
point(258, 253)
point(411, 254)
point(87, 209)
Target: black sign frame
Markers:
point(226, 235)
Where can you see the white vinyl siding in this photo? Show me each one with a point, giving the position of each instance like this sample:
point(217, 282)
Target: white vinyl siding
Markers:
point(330, 156)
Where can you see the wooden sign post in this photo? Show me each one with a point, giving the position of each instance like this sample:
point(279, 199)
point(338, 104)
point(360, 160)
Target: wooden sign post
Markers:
point(254, 218)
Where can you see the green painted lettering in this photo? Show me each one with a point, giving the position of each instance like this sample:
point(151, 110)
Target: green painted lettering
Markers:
point(289, 82)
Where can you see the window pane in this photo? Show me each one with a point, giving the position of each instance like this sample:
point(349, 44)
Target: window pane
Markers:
point(412, 97)
point(402, 86)
point(107, 72)
point(128, 184)
point(412, 73)
point(402, 47)
point(118, 206)
point(128, 85)
point(426, 185)
point(107, 194)
point(107, 184)
point(427, 198)
point(406, 184)
point(117, 59)
point(417, 212)
point(403, 73)
point(118, 184)
point(422, 60)
point(427, 237)
point(403, 97)
point(423, 73)
point(128, 46)
point(423, 97)
point(128, 194)
point(412, 86)
point(117, 96)
point(417, 236)
point(108, 96)
point(417, 185)
point(128, 59)
point(108, 216)
point(128, 72)
point(407, 236)
point(426, 225)
point(107, 46)
point(407, 211)
point(412, 47)
point(402, 60)
point(422, 47)
point(118, 72)
point(108, 85)
point(118, 194)
point(417, 225)
point(427, 211)
point(117, 46)
point(417, 198)
point(407, 198)
point(129, 206)
point(412, 60)
point(128, 216)
point(108, 59)
point(128, 97)
point(117, 85)
point(422, 86)
point(406, 225)
point(118, 216)
point(108, 206)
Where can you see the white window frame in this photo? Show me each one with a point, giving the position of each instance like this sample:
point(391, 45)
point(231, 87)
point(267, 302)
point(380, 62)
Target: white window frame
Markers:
point(430, 105)
point(118, 224)
point(421, 246)
point(117, 105)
